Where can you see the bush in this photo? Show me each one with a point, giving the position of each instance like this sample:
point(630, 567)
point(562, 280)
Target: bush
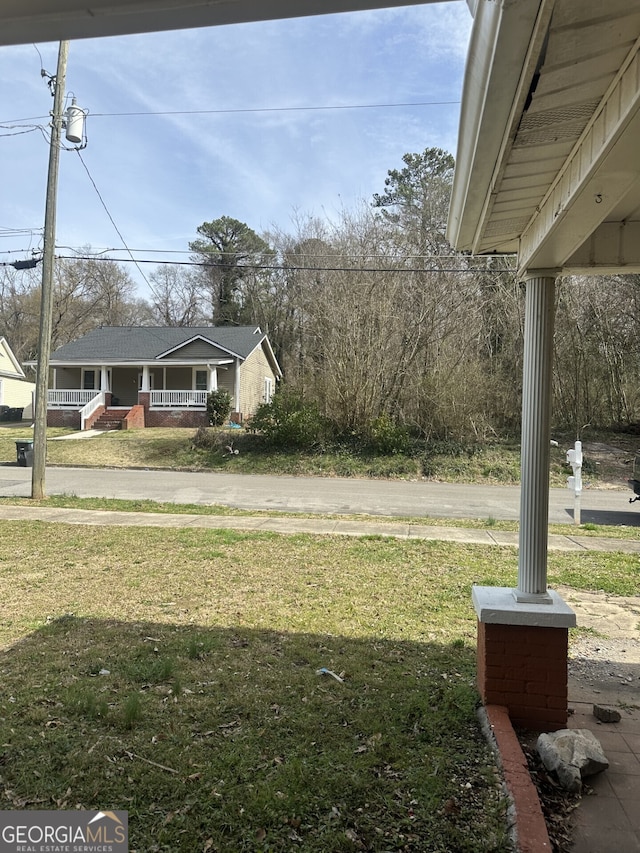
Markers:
point(205, 439)
point(387, 437)
point(218, 406)
point(287, 421)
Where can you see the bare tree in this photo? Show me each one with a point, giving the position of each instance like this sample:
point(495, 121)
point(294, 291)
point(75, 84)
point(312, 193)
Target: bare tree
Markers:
point(20, 310)
point(176, 296)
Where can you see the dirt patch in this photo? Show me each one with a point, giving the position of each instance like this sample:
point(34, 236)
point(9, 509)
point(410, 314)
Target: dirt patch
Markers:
point(609, 466)
point(604, 666)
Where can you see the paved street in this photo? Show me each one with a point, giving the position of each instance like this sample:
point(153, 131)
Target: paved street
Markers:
point(319, 495)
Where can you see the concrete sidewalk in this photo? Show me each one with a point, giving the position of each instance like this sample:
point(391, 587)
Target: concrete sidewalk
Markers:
point(321, 525)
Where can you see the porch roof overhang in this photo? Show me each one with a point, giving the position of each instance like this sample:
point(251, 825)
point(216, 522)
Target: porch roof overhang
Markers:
point(24, 21)
point(205, 362)
point(548, 161)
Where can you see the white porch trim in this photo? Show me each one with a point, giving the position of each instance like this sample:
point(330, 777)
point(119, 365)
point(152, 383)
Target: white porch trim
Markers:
point(178, 399)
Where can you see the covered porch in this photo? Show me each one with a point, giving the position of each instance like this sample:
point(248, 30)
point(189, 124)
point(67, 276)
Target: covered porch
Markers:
point(84, 397)
point(548, 168)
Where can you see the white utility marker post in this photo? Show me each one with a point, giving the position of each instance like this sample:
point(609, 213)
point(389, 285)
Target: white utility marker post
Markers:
point(574, 483)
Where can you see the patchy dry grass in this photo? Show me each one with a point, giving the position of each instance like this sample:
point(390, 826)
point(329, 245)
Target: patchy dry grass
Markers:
point(176, 674)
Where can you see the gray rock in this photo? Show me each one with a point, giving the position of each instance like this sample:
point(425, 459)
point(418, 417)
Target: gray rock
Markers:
point(606, 715)
point(572, 754)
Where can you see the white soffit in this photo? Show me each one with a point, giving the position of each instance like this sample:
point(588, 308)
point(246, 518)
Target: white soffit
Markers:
point(24, 21)
point(548, 160)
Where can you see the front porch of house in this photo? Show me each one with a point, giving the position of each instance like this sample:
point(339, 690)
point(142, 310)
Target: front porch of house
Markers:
point(116, 397)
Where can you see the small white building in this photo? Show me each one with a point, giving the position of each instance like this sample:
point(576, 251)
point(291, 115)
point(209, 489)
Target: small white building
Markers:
point(16, 392)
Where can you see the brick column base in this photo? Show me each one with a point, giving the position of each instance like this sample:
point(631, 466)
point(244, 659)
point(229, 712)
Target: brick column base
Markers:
point(524, 668)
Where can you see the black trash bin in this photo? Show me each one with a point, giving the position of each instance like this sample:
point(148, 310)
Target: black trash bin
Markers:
point(24, 453)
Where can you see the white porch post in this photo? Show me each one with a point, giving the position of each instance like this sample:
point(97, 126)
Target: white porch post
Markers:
point(213, 378)
point(236, 386)
point(523, 633)
point(535, 442)
point(104, 378)
point(145, 377)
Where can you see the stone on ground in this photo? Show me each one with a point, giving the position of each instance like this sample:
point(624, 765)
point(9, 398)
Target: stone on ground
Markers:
point(572, 754)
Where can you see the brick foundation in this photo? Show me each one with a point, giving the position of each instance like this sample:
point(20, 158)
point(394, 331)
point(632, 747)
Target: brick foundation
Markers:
point(524, 668)
point(135, 418)
point(175, 418)
point(63, 418)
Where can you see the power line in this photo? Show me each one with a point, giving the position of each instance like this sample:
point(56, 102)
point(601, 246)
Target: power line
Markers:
point(289, 268)
point(15, 132)
point(111, 219)
point(231, 111)
point(396, 259)
point(304, 108)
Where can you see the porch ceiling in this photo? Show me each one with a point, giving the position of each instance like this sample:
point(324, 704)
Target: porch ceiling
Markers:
point(23, 21)
point(548, 160)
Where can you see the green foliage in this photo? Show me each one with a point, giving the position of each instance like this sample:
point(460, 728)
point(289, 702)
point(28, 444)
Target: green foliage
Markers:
point(132, 711)
point(388, 437)
point(218, 406)
point(416, 197)
point(83, 702)
point(227, 248)
point(289, 421)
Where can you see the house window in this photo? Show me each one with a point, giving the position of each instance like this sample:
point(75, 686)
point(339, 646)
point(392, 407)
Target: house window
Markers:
point(268, 389)
point(201, 380)
point(89, 380)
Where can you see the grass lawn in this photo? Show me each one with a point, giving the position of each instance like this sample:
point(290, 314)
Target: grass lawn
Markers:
point(251, 691)
point(177, 674)
point(174, 674)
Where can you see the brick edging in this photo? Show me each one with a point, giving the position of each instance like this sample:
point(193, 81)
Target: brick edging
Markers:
point(528, 824)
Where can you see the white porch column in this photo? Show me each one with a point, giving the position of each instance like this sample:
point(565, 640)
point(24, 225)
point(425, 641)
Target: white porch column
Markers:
point(213, 378)
point(535, 441)
point(236, 386)
point(104, 378)
point(145, 378)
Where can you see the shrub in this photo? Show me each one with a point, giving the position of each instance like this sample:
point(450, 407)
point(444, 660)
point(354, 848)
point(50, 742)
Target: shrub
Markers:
point(218, 406)
point(387, 437)
point(288, 421)
point(205, 439)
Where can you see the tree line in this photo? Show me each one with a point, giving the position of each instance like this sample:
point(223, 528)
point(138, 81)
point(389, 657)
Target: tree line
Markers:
point(373, 317)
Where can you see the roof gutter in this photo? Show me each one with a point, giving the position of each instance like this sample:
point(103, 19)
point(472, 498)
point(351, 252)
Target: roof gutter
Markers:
point(495, 74)
point(220, 362)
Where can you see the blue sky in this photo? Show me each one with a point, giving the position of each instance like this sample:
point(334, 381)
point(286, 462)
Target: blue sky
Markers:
point(263, 161)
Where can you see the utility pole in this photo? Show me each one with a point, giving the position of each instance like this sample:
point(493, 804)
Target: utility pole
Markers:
point(46, 298)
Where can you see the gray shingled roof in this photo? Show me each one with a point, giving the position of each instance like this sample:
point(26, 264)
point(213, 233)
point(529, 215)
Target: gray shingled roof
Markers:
point(112, 344)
